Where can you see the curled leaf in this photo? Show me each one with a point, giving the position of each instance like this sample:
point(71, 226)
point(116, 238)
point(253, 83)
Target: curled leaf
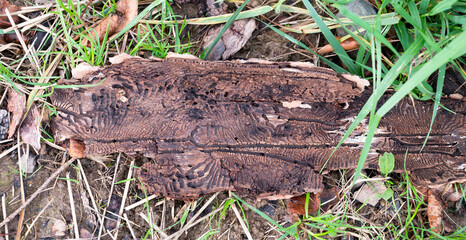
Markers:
point(30, 128)
point(126, 11)
point(17, 107)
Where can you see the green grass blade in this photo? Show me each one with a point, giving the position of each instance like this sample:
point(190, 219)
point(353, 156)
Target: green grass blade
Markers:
point(331, 39)
point(294, 41)
point(264, 216)
point(391, 75)
point(137, 19)
point(356, 19)
point(223, 30)
point(442, 6)
point(454, 49)
point(438, 95)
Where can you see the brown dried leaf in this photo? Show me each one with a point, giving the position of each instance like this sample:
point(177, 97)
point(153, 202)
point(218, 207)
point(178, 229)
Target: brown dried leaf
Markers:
point(296, 205)
point(234, 38)
point(17, 107)
point(126, 11)
point(347, 44)
point(326, 199)
point(30, 129)
point(370, 194)
point(4, 21)
point(435, 210)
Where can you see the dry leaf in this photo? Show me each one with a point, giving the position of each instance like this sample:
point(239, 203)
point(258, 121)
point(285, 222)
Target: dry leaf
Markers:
point(325, 199)
point(234, 38)
point(4, 21)
point(347, 44)
point(30, 128)
point(59, 228)
point(370, 194)
point(296, 205)
point(126, 11)
point(17, 107)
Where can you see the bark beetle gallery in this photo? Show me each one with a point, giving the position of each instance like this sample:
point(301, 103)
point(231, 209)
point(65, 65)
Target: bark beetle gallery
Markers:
point(261, 129)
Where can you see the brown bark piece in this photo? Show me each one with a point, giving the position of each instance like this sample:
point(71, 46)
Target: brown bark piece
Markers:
point(126, 11)
point(17, 107)
point(212, 126)
point(435, 211)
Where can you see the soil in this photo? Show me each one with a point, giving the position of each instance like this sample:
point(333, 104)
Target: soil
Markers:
point(53, 205)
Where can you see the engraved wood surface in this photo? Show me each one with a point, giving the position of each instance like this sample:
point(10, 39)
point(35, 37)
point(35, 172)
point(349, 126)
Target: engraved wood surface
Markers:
point(264, 130)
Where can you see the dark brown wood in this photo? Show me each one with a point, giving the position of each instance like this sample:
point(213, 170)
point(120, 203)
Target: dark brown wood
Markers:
point(264, 130)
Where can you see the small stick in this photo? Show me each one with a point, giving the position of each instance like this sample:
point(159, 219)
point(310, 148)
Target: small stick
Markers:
point(241, 221)
point(109, 198)
point(23, 195)
point(35, 219)
point(4, 216)
point(73, 210)
point(88, 188)
point(37, 192)
point(143, 201)
point(129, 226)
point(157, 229)
point(125, 194)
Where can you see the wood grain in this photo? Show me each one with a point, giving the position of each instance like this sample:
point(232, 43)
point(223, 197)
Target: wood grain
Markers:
point(261, 129)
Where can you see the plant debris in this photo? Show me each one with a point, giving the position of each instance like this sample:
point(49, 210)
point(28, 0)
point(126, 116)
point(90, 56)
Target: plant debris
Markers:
point(234, 38)
point(125, 12)
point(17, 108)
point(347, 44)
point(4, 124)
point(30, 128)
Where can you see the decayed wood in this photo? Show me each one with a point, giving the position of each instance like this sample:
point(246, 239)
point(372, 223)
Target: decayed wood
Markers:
point(262, 129)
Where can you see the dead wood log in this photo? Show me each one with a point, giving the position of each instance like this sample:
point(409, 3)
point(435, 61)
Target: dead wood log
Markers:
point(262, 129)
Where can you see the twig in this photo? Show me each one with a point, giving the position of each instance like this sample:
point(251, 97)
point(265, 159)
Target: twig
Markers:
point(109, 198)
point(157, 229)
point(129, 226)
point(89, 191)
point(35, 219)
point(37, 192)
point(125, 194)
point(19, 229)
point(73, 210)
point(191, 222)
point(4, 216)
point(241, 221)
point(143, 201)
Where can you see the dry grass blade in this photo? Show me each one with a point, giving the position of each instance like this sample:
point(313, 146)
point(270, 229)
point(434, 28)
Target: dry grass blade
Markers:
point(241, 221)
point(109, 196)
point(125, 195)
point(143, 201)
point(72, 206)
point(37, 192)
point(7, 236)
point(152, 225)
point(35, 219)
